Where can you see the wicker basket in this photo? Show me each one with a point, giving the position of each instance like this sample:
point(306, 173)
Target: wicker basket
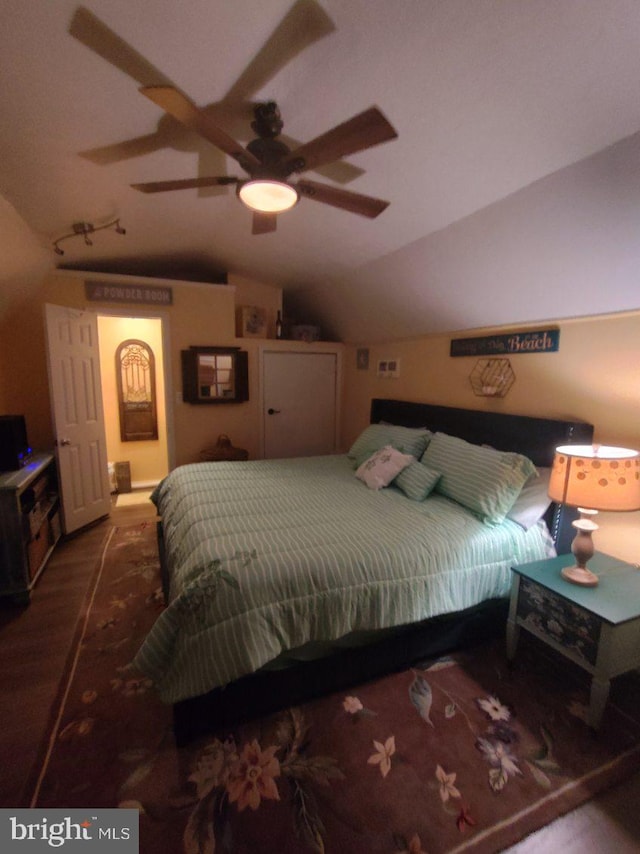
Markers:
point(222, 451)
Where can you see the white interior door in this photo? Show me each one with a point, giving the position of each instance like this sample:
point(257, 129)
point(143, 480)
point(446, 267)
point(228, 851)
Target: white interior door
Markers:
point(78, 416)
point(299, 403)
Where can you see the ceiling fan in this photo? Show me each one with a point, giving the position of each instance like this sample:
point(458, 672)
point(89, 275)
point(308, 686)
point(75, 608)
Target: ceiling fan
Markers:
point(268, 161)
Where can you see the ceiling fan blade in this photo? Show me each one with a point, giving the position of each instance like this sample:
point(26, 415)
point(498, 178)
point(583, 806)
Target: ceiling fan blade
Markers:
point(263, 223)
point(305, 23)
point(124, 150)
point(341, 171)
point(185, 111)
point(183, 184)
point(345, 199)
point(362, 131)
point(91, 32)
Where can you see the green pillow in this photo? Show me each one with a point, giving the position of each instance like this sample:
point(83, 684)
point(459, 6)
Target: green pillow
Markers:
point(409, 440)
point(482, 479)
point(417, 481)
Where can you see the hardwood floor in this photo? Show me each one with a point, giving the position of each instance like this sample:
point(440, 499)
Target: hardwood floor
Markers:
point(34, 645)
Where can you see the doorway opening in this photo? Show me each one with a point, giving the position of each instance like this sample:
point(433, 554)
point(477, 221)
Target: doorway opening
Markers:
point(143, 462)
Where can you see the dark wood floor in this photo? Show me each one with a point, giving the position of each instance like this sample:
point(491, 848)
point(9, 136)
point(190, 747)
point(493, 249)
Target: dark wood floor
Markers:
point(35, 642)
point(34, 645)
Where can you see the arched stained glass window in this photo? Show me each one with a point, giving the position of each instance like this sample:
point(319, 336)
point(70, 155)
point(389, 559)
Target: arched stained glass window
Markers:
point(136, 379)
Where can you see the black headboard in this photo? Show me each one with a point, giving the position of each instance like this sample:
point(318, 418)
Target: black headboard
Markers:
point(536, 438)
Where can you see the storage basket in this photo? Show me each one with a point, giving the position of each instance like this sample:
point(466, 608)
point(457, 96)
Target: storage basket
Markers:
point(223, 451)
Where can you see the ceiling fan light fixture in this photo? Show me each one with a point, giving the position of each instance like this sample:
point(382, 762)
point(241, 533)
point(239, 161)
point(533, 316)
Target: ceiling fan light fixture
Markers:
point(268, 196)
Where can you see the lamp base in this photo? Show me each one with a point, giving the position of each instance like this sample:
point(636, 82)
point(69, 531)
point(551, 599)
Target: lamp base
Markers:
point(582, 548)
point(580, 575)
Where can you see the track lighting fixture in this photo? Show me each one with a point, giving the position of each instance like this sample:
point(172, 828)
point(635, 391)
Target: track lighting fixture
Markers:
point(85, 229)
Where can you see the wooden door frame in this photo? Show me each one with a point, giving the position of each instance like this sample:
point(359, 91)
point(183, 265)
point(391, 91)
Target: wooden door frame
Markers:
point(139, 312)
point(304, 349)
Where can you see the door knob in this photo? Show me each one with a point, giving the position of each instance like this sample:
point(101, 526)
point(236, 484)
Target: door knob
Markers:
point(64, 442)
point(273, 411)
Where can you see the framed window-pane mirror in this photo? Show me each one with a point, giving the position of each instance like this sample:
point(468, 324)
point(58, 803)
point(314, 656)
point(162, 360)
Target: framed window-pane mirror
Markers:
point(214, 375)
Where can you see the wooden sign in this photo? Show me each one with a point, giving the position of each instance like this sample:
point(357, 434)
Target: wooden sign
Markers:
point(122, 292)
point(535, 341)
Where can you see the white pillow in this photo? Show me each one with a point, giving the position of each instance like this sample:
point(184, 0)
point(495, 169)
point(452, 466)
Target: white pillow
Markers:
point(382, 466)
point(533, 501)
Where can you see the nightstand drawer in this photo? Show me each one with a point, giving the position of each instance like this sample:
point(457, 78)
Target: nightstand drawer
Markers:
point(559, 620)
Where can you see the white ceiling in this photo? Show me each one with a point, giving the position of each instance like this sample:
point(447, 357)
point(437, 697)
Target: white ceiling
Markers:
point(488, 97)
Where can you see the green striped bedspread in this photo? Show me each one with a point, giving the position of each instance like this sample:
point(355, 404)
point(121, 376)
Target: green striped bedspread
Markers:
point(268, 555)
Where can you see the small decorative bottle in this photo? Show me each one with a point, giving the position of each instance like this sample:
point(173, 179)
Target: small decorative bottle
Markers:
point(279, 325)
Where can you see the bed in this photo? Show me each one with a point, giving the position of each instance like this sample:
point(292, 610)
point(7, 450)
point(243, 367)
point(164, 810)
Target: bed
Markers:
point(288, 578)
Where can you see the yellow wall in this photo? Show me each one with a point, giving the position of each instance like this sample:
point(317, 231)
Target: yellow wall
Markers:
point(148, 459)
point(594, 377)
point(199, 315)
point(24, 385)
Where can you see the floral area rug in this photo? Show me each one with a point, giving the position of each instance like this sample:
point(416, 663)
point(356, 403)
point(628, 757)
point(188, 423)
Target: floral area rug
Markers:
point(451, 755)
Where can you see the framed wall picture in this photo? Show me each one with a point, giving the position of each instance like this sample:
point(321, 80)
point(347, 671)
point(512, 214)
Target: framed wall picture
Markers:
point(362, 358)
point(253, 322)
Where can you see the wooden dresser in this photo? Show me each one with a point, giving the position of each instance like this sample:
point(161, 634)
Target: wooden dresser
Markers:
point(29, 525)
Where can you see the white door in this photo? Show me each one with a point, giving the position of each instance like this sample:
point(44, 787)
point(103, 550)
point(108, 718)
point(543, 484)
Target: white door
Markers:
point(299, 403)
point(78, 416)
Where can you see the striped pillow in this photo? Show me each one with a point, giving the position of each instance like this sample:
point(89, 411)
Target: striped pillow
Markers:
point(482, 479)
point(417, 481)
point(409, 440)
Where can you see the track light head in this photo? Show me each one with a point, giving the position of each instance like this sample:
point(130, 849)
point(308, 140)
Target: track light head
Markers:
point(85, 229)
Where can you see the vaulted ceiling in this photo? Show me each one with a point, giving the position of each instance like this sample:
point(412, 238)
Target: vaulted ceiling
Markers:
point(513, 183)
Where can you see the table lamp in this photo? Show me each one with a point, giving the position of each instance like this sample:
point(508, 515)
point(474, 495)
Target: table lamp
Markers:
point(593, 478)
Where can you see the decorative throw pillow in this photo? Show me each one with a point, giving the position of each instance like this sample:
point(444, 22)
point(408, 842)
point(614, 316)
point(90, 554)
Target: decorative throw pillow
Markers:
point(482, 479)
point(409, 440)
point(417, 481)
point(533, 501)
point(382, 466)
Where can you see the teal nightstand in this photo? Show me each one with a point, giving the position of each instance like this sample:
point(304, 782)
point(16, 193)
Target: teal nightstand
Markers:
point(598, 628)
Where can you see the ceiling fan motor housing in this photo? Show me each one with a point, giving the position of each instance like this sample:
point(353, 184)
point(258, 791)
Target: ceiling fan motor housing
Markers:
point(270, 152)
point(268, 120)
